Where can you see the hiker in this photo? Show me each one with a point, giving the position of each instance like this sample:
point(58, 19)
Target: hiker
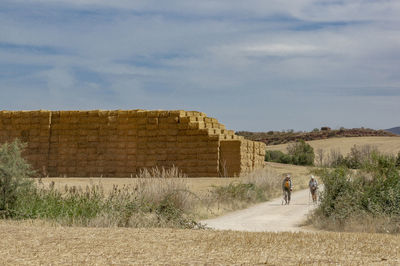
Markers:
point(287, 188)
point(313, 185)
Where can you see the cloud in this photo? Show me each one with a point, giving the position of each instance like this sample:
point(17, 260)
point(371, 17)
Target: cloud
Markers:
point(256, 65)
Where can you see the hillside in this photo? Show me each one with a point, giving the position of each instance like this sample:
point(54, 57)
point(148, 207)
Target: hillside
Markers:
point(389, 145)
point(282, 137)
point(394, 130)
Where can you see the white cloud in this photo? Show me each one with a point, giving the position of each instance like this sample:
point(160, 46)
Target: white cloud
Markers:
point(208, 55)
point(281, 49)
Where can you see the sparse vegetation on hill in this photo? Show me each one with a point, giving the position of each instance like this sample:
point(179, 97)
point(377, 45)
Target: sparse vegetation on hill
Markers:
point(281, 137)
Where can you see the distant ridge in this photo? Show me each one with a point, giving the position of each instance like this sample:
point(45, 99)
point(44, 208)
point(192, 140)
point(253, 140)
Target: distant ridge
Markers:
point(395, 130)
point(281, 137)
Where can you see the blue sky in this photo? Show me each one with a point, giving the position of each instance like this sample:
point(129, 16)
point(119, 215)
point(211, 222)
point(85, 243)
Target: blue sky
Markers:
point(254, 65)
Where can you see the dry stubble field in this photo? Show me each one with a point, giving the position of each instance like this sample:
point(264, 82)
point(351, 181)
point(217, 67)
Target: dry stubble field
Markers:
point(197, 185)
point(389, 145)
point(33, 243)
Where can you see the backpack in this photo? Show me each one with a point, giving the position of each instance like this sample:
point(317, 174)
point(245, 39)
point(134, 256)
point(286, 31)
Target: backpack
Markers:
point(287, 184)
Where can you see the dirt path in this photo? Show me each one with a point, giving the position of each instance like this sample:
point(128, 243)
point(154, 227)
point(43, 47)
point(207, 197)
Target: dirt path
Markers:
point(269, 216)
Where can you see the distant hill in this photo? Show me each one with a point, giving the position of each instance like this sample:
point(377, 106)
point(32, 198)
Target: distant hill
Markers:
point(394, 130)
point(282, 137)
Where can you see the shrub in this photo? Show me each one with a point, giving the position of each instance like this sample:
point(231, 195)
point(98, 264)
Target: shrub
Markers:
point(14, 174)
point(157, 198)
point(373, 191)
point(398, 160)
point(256, 186)
point(277, 157)
point(302, 153)
point(358, 156)
point(299, 153)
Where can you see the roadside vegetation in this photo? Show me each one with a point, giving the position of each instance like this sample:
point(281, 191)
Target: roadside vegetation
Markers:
point(157, 198)
point(366, 199)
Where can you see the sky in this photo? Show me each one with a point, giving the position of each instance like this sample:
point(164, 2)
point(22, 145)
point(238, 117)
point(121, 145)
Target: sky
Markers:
point(255, 65)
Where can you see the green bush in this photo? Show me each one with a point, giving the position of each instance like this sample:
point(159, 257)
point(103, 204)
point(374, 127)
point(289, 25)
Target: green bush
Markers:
point(373, 191)
point(14, 176)
point(398, 160)
point(302, 153)
point(358, 156)
point(277, 157)
point(299, 153)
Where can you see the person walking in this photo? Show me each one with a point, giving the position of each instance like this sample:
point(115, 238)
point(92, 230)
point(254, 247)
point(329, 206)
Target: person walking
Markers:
point(313, 185)
point(287, 188)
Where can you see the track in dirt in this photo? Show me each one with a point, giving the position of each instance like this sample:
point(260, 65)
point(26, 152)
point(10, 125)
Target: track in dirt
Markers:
point(269, 216)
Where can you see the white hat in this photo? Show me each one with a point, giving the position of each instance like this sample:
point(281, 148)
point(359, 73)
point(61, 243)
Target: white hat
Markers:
point(312, 177)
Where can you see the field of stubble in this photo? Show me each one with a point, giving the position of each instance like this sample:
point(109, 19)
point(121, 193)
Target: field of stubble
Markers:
point(34, 243)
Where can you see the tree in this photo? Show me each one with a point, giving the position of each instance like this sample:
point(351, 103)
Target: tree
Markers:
point(302, 153)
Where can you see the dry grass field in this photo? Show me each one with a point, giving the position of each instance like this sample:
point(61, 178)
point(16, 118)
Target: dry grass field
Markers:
point(35, 243)
point(300, 176)
point(196, 185)
point(389, 145)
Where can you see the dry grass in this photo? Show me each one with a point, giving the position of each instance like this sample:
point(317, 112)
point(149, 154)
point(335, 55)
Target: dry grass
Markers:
point(389, 145)
point(196, 185)
point(29, 243)
point(269, 178)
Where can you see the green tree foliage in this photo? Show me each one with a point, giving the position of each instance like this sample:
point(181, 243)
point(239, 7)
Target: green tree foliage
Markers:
point(14, 174)
point(302, 153)
point(299, 153)
point(278, 157)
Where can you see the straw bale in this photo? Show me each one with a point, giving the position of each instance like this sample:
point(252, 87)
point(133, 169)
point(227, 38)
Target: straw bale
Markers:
point(208, 156)
point(152, 120)
point(183, 126)
point(150, 164)
point(208, 120)
point(179, 113)
point(152, 130)
point(163, 114)
point(193, 125)
point(173, 119)
point(141, 113)
point(103, 114)
point(188, 119)
point(131, 145)
point(163, 120)
point(208, 125)
point(153, 114)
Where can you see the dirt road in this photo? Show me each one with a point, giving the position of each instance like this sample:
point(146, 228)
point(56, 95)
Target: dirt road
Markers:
point(269, 216)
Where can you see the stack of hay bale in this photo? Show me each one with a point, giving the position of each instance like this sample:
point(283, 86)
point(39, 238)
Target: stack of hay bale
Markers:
point(120, 143)
point(32, 128)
